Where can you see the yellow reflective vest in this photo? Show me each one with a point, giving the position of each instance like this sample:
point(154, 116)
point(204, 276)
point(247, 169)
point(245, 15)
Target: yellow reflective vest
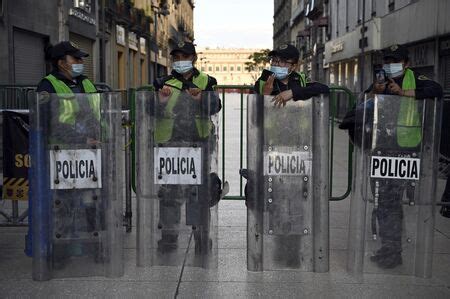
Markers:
point(409, 126)
point(69, 107)
point(165, 123)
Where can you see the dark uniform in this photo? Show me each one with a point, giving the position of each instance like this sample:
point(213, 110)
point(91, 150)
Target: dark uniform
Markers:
point(75, 85)
point(185, 130)
point(299, 91)
point(389, 212)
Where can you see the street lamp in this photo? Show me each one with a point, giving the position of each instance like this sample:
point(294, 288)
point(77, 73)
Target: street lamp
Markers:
point(159, 11)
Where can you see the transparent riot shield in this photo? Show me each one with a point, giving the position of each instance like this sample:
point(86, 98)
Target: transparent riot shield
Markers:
point(178, 187)
point(392, 208)
point(287, 185)
point(76, 185)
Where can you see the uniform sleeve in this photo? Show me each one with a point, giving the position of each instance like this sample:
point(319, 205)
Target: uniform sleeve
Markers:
point(256, 86)
point(310, 90)
point(212, 82)
point(158, 83)
point(426, 89)
point(211, 98)
point(45, 85)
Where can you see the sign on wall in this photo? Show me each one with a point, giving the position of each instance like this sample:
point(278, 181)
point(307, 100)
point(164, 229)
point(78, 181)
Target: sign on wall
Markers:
point(120, 35)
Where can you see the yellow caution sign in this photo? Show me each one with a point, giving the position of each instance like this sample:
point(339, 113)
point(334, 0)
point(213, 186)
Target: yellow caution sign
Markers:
point(15, 188)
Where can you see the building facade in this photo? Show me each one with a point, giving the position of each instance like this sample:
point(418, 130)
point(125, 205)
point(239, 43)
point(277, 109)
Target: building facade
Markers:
point(281, 20)
point(227, 65)
point(28, 27)
point(329, 35)
point(126, 40)
point(422, 25)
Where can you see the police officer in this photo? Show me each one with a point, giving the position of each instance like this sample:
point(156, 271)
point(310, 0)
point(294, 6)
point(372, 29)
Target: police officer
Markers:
point(283, 81)
point(74, 121)
point(185, 125)
point(404, 82)
point(67, 75)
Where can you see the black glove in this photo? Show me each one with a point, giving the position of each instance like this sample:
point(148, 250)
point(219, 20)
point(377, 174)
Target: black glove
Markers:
point(215, 188)
point(248, 189)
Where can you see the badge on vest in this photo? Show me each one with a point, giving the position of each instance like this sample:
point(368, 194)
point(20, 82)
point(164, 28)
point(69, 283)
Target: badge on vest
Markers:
point(395, 168)
point(177, 166)
point(75, 169)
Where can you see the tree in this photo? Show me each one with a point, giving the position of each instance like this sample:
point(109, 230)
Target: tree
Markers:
point(259, 60)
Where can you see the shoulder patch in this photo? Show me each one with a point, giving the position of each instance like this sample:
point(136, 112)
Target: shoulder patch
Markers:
point(422, 77)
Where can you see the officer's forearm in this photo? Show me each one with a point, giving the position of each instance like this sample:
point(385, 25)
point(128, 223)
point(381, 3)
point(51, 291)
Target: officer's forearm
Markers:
point(408, 93)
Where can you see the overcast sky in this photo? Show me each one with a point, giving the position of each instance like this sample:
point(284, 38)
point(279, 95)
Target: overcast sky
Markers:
point(233, 23)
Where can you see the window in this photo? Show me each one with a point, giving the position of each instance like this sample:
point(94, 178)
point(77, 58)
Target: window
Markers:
point(224, 68)
point(209, 68)
point(239, 68)
point(203, 68)
point(217, 68)
point(231, 68)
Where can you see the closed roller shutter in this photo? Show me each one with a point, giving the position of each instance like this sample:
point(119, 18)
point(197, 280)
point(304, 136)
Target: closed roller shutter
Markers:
point(446, 72)
point(85, 44)
point(29, 57)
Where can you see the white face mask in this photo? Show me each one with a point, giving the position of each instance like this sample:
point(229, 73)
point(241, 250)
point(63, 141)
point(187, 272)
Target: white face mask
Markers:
point(281, 72)
point(393, 70)
point(77, 69)
point(182, 66)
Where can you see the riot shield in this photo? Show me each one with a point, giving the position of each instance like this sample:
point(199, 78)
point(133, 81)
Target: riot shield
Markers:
point(76, 185)
point(287, 190)
point(392, 208)
point(178, 187)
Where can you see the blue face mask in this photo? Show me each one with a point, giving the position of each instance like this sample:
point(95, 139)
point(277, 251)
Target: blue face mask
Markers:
point(393, 70)
point(183, 66)
point(281, 72)
point(77, 69)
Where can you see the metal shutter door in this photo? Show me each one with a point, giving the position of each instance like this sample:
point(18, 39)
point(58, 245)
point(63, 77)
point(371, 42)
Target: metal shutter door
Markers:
point(29, 58)
point(446, 72)
point(85, 45)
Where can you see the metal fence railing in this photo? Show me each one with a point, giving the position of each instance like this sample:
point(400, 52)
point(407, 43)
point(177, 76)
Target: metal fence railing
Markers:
point(341, 99)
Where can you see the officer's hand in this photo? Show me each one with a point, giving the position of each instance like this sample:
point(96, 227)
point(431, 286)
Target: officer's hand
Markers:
point(165, 91)
point(268, 87)
point(196, 93)
point(282, 98)
point(164, 94)
point(92, 141)
point(394, 87)
point(378, 87)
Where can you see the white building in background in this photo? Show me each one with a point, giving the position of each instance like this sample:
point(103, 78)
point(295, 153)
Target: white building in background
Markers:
point(227, 65)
